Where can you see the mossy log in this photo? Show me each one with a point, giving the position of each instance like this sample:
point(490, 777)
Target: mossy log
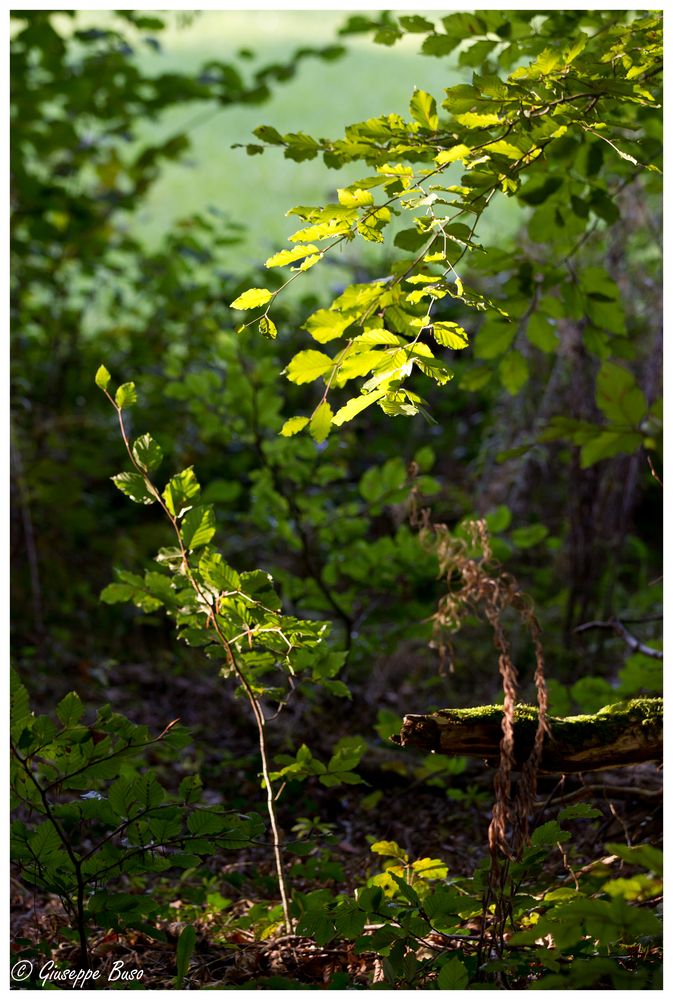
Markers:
point(625, 733)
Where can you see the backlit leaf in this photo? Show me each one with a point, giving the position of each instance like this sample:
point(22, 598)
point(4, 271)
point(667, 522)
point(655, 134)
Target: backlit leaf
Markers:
point(423, 109)
point(293, 426)
point(288, 257)
point(450, 335)
point(473, 120)
point(354, 197)
point(326, 324)
point(126, 395)
point(322, 230)
point(308, 262)
point(198, 527)
point(182, 492)
point(355, 406)
point(389, 849)
point(102, 377)
point(133, 485)
point(147, 452)
point(429, 868)
point(268, 328)
point(458, 152)
point(251, 299)
point(308, 366)
point(359, 364)
point(504, 149)
point(546, 61)
point(217, 573)
point(321, 421)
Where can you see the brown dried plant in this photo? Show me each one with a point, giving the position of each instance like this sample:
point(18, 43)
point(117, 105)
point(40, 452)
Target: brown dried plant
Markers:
point(477, 585)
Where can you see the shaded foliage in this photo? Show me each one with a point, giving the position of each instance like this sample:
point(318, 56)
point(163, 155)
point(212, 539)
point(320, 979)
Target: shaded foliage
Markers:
point(537, 367)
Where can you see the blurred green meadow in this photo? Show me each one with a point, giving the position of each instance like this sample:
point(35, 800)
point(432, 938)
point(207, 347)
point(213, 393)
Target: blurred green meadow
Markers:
point(324, 97)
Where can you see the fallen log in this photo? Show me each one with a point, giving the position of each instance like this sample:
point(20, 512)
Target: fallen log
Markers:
point(625, 733)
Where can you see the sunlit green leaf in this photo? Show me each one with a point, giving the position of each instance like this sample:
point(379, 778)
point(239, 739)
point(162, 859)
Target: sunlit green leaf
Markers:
point(450, 335)
point(126, 395)
point(133, 485)
point(359, 364)
point(181, 492)
point(217, 573)
point(356, 405)
point(430, 868)
point(198, 527)
point(293, 426)
point(308, 366)
point(322, 230)
point(268, 328)
point(326, 324)
point(354, 197)
point(147, 452)
point(472, 119)
point(251, 299)
point(102, 378)
point(423, 109)
point(504, 149)
point(308, 262)
point(285, 257)
point(389, 849)
point(458, 152)
point(320, 422)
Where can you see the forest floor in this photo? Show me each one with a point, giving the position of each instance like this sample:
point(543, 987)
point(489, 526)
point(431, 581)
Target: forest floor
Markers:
point(227, 902)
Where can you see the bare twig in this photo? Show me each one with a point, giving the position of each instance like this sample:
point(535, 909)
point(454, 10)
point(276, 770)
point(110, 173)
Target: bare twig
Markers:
point(634, 644)
point(604, 792)
point(654, 472)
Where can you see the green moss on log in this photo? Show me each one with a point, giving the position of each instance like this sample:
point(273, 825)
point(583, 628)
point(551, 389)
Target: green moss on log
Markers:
point(623, 733)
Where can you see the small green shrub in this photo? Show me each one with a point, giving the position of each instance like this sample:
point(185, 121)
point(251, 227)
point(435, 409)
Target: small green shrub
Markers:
point(93, 820)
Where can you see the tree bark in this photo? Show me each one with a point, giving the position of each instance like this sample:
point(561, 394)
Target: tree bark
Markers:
point(626, 733)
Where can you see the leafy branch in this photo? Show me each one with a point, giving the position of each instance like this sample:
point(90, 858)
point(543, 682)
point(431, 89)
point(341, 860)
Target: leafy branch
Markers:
point(118, 401)
point(554, 97)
